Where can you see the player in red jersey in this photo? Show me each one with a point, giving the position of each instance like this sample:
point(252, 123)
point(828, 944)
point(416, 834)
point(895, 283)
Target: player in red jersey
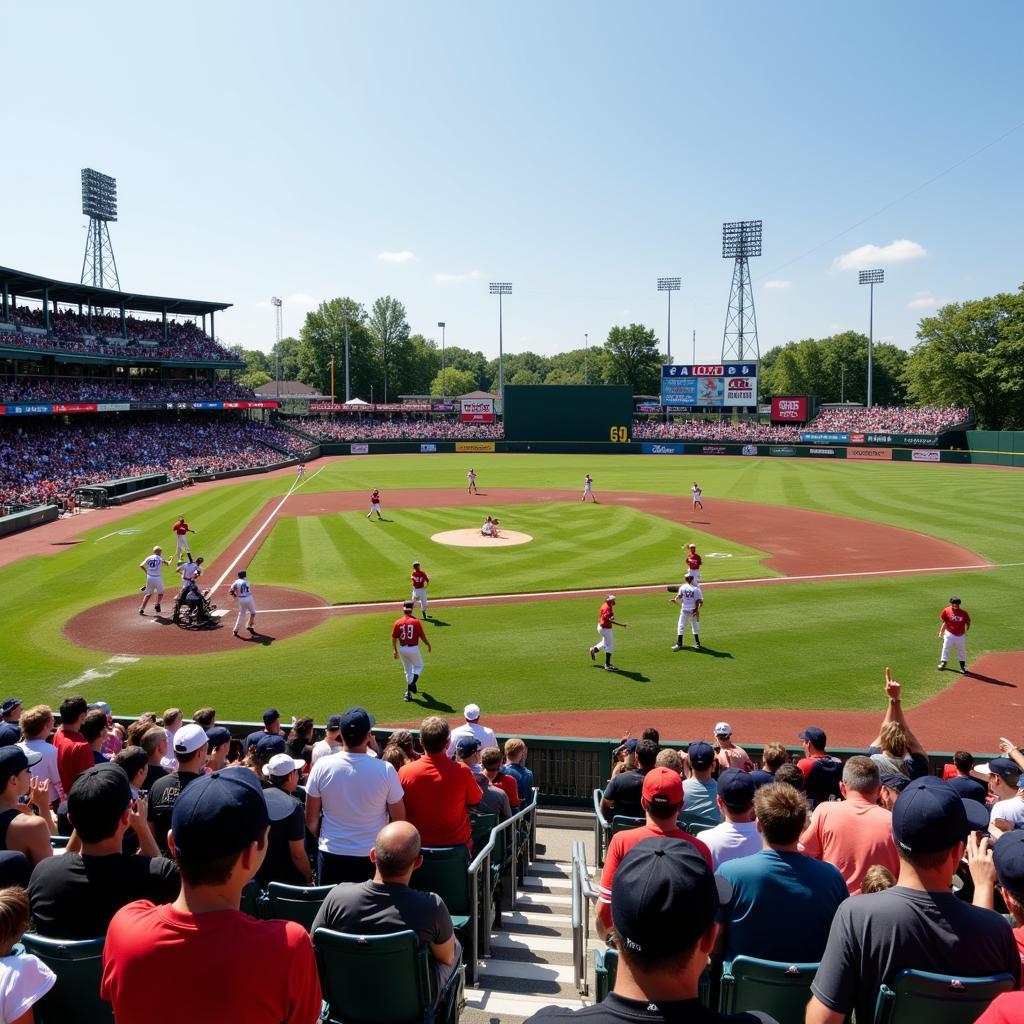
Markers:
point(419, 587)
point(406, 634)
point(953, 630)
point(606, 622)
point(374, 504)
point(181, 531)
point(693, 563)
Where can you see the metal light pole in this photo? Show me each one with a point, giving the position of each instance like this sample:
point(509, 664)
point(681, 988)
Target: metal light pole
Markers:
point(440, 323)
point(586, 354)
point(842, 383)
point(500, 288)
point(670, 285)
point(279, 327)
point(348, 393)
point(871, 277)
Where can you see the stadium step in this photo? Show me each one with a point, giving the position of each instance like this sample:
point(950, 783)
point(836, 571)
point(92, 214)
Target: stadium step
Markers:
point(530, 963)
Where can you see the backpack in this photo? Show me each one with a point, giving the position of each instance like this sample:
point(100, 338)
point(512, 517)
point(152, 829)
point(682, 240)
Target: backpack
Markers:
point(822, 782)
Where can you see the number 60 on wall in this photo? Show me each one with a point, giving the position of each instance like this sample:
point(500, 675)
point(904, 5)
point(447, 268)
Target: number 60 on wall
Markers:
point(620, 435)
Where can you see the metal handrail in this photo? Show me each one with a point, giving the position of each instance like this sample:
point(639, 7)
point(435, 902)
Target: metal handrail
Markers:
point(583, 894)
point(601, 828)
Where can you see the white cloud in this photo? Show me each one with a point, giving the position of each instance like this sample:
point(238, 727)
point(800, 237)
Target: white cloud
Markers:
point(299, 299)
point(470, 275)
point(923, 300)
point(897, 251)
point(402, 256)
point(777, 284)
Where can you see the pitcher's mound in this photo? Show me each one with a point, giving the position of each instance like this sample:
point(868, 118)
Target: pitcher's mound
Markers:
point(475, 539)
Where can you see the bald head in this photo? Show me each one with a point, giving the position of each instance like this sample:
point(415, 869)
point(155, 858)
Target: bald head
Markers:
point(396, 851)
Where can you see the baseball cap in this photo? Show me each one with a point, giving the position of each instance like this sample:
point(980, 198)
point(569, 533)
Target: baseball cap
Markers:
point(610, 597)
point(663, 787)
point(632, 743)
point(103, 788)
point(217, 736)
point(271, 715)
point(723, 729)
point(814, 735)
point(1006, 769)
point(467, 745)
point(355, 724)
point(665, 897)
point(12, 702)
point(929, 817)
point(189, 738)
point(99, 705)
point(1008, 855)
point(219, 814)
point(334, 723)
point(689, 576)
point(736, 789)
point(279, 803)
point(471, 712)
point(281, 764)
point(268, 746)
point(701, 754)
point(414, 564)
point(893, 780)
point(691, 545)
point(14, 760)
point(954, 600)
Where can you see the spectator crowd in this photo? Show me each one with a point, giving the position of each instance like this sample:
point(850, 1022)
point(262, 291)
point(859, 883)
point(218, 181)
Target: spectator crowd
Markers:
point(397, 428)
point(64, 391)
point(713, 430)
point(891, 419)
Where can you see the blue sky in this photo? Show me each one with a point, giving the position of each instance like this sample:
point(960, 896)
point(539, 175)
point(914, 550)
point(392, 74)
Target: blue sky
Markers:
point(578, 150)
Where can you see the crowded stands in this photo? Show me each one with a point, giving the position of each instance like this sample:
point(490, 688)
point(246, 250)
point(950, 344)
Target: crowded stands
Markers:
point(64, 390)
point(397, 428)
point(43, 461)
point(712, 430)
point(892, 419)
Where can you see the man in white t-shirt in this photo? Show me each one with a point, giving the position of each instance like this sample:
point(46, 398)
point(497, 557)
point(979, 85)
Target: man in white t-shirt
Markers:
point(37, 724)
point(358, 795)
point(471, 727)
point(1006, 784)
point(331, 743)
point(737, 836)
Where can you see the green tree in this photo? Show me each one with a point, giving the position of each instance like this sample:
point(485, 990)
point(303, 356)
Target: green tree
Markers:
point(323, 335)
point(452, 382)
point(389, 330)
point(630, 356)
point(524, 376)
point(288, 355)
point(574, 367)
point(473, 362)
point(424, 363)
point(253, 379)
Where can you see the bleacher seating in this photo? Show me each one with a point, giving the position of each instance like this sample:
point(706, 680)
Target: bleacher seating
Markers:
point(76, 995)
point(396, 428)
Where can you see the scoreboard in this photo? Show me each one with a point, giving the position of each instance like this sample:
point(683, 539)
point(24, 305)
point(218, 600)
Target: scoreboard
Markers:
point(714, 386)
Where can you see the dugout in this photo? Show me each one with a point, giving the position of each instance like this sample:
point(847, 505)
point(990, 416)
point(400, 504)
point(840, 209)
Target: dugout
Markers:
point(568, 412)
point(117, 492)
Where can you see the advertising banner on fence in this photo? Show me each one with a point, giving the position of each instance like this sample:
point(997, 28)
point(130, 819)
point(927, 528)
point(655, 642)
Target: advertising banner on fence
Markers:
point(722, 385)
point(71, 408)
point(749, 449)
point(360, 449)
point(474, 446)
point(710, 449)
point(827, 453)
point(789, 410)
point(814, 437)
point(925, 455)
point(647, 407)
point(476, 410)
point(425, 448)
point(653, 448)
point(781, 449)
point(869, 454)
point(909, 440)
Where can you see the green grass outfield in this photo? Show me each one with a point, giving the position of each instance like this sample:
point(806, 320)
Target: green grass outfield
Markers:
point(815, 645)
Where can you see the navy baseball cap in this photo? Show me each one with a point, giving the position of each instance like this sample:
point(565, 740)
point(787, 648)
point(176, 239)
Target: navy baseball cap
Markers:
point(217, 737)
point(334, 722)
point(929, 817)
point(355, 724)
point(814, 735)
point(271, 715)
point(9, 705)
point(219, 814)
point(736, 789)
point(467, 745)
point(665, 897)
point(268, 746)
point(1006, 769)
point(893, 780)
point(14, 760)
point(701, 754)
point(1008, 854)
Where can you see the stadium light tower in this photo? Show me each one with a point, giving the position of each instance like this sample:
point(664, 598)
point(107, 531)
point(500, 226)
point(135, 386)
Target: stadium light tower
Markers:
point(500, 288)
point(441, 324)
point(741, 239)
point(278, 331)
point(670, 285)
point(99, 204)
point(871, 277)
point(586, 355)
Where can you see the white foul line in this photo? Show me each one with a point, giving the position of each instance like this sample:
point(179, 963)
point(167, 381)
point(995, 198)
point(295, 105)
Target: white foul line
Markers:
point(652, 587)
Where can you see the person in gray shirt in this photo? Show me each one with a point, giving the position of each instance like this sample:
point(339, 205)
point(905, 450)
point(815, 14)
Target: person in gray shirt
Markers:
point(918, 923)
point(700, 793)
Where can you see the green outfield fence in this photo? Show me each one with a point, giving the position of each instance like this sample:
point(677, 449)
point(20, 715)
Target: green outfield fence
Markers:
point(568, 769)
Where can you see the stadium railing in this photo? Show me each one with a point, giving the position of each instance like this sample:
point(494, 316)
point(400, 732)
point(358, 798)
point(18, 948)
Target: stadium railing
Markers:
point(584, 896)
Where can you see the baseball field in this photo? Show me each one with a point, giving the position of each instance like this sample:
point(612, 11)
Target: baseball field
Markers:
point(816, 576)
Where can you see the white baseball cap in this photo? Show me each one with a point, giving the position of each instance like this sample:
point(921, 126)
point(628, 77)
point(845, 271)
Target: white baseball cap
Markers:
point(610, 597)
point(471, 712)
point(691, 545)
point(281, 764)
point(189, 738)
point(723, 729)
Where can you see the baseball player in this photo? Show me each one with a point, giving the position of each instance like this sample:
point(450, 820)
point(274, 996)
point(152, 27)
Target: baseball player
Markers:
point(419, 587)
point(697, 503)
point(241, 591)
point(190, 572)
point(588, 489)
point(606, 622)
point(693, 563)
point(471, 481)
point(181, 531)
point(374, 504)
point(406, 634)
point(300, 472)
point(690, 600)
point(953, 630)
point(153, 567)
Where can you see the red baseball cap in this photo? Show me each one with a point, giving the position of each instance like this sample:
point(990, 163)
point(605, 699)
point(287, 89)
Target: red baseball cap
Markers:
point(663, 786)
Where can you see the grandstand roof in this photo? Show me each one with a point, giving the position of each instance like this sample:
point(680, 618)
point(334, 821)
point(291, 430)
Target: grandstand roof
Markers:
point(30, 286)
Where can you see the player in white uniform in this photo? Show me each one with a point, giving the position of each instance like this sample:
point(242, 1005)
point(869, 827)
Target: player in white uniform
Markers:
point(588, 489)
point(690, 600)
point(241, 590)
point(190, 572)
point(471, 481)
point(153, 567)
point(697, 503)
point(300, 471)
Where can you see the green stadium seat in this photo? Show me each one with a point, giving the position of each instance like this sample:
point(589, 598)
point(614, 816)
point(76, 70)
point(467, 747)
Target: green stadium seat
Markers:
point(443, 871)
point(253, 900)
point(76, 995)
point(381, 979)
point(779, 989)
point(694, 824)
point(917, 996)
point(606, 966)
point(620, 823)
point(295, 902)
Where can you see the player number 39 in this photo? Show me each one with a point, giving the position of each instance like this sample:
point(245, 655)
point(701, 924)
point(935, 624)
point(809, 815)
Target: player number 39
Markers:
point(620, 435)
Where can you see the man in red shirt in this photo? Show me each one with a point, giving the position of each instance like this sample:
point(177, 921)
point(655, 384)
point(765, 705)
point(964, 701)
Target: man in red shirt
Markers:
point(662, 801)
point(406, 634)
point(263, 971)
point(181, 532)
point(605, 622)
point(490, 762)
point(74, 754)
point(693, 563)
point(374, 504)
point(954, 623)
point(419, 587)
point(821, 771)
point(438, 790)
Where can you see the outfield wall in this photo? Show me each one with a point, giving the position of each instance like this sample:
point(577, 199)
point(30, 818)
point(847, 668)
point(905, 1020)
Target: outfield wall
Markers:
point(996, 447)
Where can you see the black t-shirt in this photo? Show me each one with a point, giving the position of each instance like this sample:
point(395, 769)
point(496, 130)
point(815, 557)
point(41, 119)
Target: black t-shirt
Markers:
point(626, 789)
point(969, 789)
point(278, 865)
point(153, 772)
point(616, 1010)
point(10, 733)
point(162, 798)
point(75, 896)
